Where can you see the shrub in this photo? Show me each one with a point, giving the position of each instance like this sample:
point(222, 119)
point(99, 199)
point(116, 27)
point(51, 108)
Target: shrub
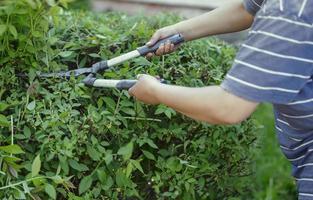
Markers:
point(62, 140)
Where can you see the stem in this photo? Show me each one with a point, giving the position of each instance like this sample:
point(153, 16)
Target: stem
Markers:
point(25, 181)
point(12, 131)
point(143, 119)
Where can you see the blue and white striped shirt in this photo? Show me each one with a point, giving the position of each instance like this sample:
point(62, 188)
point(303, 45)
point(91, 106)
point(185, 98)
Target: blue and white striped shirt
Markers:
point(275, 64)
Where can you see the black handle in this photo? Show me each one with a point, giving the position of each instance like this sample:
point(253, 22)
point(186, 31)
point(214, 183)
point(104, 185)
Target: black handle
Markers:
point(175, 39)
point(125, 84)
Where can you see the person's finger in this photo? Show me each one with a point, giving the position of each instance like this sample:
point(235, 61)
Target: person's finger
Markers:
point(160, 51)
point(156, 37)
point(139, 76)
point(131, 91)
point(150, 55)
point(167, 47)
point(172, 48)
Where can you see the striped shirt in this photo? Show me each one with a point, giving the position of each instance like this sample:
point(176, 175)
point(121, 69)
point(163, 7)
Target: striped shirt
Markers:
point(275, 64)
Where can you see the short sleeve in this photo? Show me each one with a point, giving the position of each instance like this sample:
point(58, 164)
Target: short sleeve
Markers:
point(272, 65)
point(253, 6)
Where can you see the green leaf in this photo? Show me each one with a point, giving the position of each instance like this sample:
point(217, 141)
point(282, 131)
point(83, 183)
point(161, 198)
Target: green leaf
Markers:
point(148, 155)
point(126, 151)
point(79, 167)
point(31, 3)
point(27, 132)
point(31, 106)
point(3, 106)
point(137, 165)
point(142, 62)
point(102, 176)
point(120, 178)
point(36, 166)
point(152, 144)
point(94, 55)
point(4, 121)
point(3, 29)
point(129, 169)
point(51, 2)
point(108, 158)
point(66, 54)
point(94, 154)
point(85, 184)
point(12, 149)
point(50, 191)
point(13, 31)
point(129, 111)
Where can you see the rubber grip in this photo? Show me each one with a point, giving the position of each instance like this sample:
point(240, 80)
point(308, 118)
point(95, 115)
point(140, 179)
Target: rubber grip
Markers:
point(175, 39)
point(125, 84)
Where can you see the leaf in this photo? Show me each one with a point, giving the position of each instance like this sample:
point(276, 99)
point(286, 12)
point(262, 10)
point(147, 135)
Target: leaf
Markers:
point(51, 2)
point(108, 158)
point(142, 62)
point(3, 29)
point(31, 106)
point(152, 144)
point(13, 31)
point(94, 154)
point(102, 176)
point(49, 189)
point(137, 165)
point(27, 132)
point(3, 106)
point(129, 169)
point(66, 54)
point(79, 167)
point(12, 171)
point(126, 151)
point(120, 178)
point(31, 3)
point(36, 166)
point(26, 188)
point(94, 55)
point(4, 121)
point(85, 184)
point(12, 149)
point(129, 111)
point(148, 155)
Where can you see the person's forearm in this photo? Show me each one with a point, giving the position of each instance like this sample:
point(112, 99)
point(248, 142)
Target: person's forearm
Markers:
point(229, 18)
point(210, 104)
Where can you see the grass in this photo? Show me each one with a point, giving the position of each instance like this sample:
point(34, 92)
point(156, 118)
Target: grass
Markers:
point(272, 178)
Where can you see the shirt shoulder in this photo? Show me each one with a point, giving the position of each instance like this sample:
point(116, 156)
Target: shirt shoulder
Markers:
point(253, 6)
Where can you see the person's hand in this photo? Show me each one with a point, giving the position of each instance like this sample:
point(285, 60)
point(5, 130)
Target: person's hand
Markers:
point(145, 89)
point(161, 34)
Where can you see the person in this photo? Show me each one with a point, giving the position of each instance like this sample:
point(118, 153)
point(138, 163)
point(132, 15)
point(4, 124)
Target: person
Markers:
point(274, 64)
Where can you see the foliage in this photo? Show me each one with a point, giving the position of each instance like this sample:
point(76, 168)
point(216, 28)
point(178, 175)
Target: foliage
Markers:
point(62, 140)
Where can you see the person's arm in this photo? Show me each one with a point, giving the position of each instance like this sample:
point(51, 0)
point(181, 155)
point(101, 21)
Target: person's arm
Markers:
point(229, 18)
point(210, 104)
point(226, 19)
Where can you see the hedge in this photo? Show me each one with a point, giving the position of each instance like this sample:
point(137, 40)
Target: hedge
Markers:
point(62, 140)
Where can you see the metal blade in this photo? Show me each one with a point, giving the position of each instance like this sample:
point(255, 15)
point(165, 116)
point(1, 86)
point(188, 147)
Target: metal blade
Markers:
point(68, 74)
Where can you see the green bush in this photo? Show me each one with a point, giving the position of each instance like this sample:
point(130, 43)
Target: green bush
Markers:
point(62, 140)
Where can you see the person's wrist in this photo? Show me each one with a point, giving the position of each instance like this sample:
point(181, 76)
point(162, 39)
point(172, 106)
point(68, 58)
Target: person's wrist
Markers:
point(157, 91)
point(179, 28)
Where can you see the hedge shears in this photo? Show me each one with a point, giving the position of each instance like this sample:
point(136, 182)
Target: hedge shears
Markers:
point(90, 73)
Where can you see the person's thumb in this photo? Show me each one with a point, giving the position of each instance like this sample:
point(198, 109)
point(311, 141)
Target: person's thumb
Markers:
point(156, 36)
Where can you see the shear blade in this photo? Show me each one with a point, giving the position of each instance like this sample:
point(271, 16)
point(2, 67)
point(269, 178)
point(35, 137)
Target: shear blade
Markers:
point(67, 74)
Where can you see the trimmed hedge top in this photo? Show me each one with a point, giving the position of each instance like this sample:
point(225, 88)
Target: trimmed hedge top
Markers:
point(67, 141)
